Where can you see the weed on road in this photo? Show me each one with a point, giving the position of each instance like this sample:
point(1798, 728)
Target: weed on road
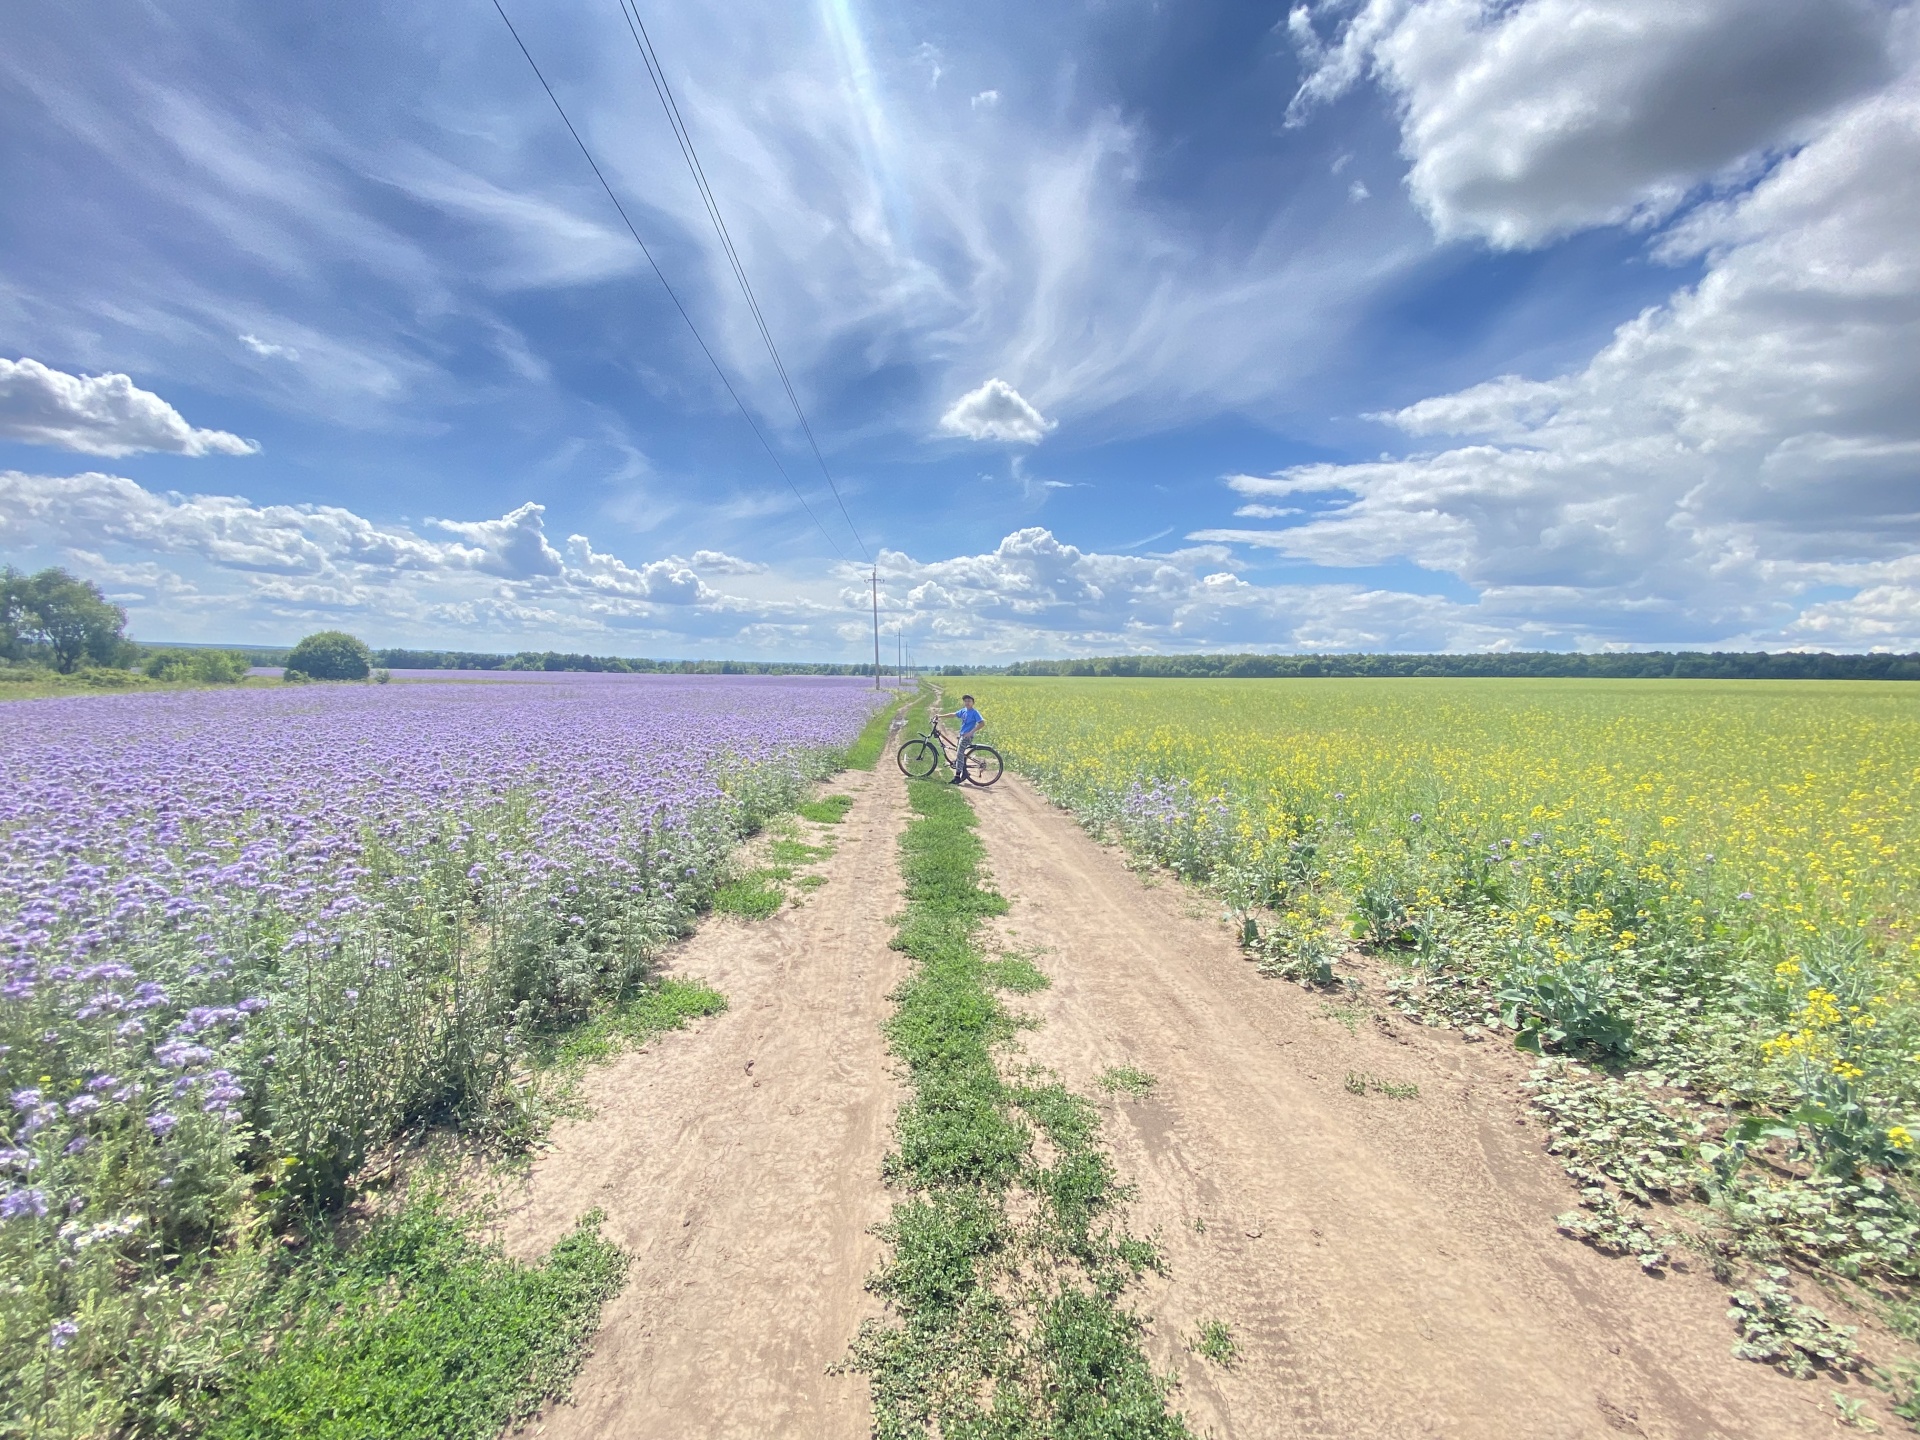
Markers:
point(1008, 1263)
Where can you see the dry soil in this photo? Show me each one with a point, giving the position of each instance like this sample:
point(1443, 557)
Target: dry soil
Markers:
point(1388, 1268)
point(738, 1162)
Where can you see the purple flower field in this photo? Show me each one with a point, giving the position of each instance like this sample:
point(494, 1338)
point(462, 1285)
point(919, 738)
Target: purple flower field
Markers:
point(248, 936)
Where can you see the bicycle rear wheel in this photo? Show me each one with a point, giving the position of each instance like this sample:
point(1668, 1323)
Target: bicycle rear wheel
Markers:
point(983, 765)
point(917, 759)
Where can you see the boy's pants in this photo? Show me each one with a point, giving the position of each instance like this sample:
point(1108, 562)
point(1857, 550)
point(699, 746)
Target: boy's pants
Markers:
point(960, 760)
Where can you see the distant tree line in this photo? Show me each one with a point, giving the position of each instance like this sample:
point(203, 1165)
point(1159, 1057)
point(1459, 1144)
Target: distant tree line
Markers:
point(603, 664)
point(1644, 665)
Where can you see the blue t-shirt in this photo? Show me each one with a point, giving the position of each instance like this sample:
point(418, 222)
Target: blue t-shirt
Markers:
point(969, 719)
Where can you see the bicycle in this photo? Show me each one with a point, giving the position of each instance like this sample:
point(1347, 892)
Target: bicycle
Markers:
point(927, 752)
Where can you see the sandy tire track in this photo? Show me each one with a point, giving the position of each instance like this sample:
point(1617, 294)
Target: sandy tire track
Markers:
point(1389, 1268)
point(739, 1164)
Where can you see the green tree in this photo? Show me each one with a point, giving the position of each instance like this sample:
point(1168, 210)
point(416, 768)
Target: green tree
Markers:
point(15, 619)
point(62, 617)
point(331, 655)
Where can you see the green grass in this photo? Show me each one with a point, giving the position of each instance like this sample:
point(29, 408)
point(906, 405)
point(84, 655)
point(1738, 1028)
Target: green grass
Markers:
point(33, 683)
point(1361, 1082)
point(793, 852)
point(423, 1329)
point(668, 1004)
point(1016, 973)
point(1007, 1263)
point(1214, 1341)
point(871, 742)
point(828, 809)
point(754, 896)
point(1125, 1080)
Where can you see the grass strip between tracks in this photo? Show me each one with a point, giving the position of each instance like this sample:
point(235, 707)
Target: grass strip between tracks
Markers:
point(1008, 1261)
point(872, 740)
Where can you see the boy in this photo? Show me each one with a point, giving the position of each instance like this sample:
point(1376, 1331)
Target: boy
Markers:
point(970, 725)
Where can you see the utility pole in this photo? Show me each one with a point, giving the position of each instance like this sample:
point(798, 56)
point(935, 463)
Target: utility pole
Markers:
point(876, 627)
point(900, 656)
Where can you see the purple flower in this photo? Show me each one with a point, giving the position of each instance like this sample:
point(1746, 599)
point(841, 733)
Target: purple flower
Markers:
point(161, 1123)
point(62, 1333)
point(16, 1203)
point(26, 1099)
point(179, 1053)
point(1744, 895)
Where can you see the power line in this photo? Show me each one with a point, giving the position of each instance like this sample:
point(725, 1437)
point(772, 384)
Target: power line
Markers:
point(745, 413)
point(643, 41)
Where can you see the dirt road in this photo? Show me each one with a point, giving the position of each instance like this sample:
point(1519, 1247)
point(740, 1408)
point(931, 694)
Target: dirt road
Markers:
point(739, 1163)
point(1388, 1268)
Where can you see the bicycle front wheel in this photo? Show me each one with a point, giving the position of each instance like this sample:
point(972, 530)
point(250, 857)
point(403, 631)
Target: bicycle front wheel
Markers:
point(983, 765)
point(917, 759)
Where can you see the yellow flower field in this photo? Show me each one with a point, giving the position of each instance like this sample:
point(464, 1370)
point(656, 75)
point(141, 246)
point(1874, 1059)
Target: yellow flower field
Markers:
point(1801, 794)
point(1718, 878)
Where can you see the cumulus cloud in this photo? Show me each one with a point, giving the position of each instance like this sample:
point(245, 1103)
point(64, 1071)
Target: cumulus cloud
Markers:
point(513, 547)
point(669, 581)
point(1528, 121)
point(1750, 439)
point(718, 562)
point(222, 567)
point(1034, 594)
point(99, 415)
point(996, 411)
point(306, 559)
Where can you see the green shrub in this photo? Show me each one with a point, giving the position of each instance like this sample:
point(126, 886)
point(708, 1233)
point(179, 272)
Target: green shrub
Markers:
point(331, 655)
point(197, 667)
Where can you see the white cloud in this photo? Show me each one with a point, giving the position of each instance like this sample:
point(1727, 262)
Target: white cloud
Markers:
point(985, 100)
point(668, 581)
point(1749, 440)
point(718, 562)
point(99, 415)
point(513, 547)
point(267, 350)
point(1531, 120)
point(1035, 595)
point(1357, 191)
point(263, 563)
point(996, 411)
point(222, 568)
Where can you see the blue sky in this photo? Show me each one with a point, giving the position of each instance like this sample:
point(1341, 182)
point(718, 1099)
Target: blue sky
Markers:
point(1371, 324)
